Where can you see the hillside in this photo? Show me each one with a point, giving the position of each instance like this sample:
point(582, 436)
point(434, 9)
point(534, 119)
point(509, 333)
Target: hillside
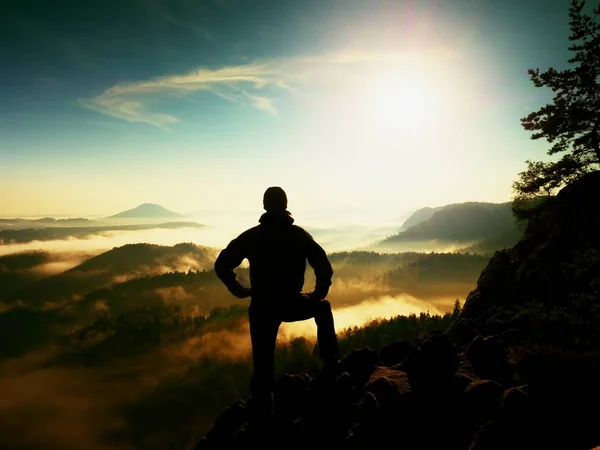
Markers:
point(117, 281)
point(437, 275)
point(518, 369)
point(476, 225)
point(18, 270)
point(419, 216)
point(45, 222)
point(36, 305)
point(116, 265)
point(147, 211)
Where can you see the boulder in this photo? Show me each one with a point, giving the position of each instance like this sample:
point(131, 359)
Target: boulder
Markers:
point(230, 420)
point(481, 400)
point(431, 367)
point(360, 364)
point(395, 352)
point(290, 396)
point(488, 356)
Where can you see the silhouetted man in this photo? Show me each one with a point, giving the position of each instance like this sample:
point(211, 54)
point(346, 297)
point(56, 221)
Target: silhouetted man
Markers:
point(277, 251)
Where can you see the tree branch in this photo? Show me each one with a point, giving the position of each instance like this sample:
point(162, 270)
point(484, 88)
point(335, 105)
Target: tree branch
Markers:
point(595, 141)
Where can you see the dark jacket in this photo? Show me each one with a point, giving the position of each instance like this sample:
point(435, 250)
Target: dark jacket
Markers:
point(277, 251)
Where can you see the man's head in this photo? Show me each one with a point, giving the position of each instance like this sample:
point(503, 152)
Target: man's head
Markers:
point(275, 199)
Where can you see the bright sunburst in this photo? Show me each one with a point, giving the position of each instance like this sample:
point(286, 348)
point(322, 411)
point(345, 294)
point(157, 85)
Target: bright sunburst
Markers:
point(401, 101)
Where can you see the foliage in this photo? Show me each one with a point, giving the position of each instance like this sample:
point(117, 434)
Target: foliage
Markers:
point(24, 260)
point(544, 363)
point(381, 332)
point(503, 239)
point(22, 329)
point(133, 277)
point(577, 322)
point(140, 330)
point(571, 123)
point(366, 265)
point(17, 270)
point(525, 208)
point(434, 269)
point(456, 309)
point(371, 258)
point(128, 261)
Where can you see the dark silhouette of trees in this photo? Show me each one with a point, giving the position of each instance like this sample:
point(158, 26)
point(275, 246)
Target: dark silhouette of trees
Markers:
point(571, 123)
point(436, 269)
point(456, 309)
point(17, 270)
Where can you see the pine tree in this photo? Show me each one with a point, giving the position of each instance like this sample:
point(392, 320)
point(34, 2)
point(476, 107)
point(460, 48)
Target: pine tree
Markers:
point(457, 309)
point(571, 123)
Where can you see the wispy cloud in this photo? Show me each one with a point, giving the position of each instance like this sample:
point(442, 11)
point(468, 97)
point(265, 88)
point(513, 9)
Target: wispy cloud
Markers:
point(121, 107)
point(128, 101)
point(254, 84)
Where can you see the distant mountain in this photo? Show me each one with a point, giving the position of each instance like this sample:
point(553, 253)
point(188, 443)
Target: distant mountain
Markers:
point(469, 223)
point(147, 211)
point(419, 216)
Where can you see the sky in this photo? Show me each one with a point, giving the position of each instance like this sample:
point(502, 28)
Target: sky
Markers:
point(383, 106)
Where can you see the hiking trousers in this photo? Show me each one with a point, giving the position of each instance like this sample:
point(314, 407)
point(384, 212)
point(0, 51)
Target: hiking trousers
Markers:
point(265, 318)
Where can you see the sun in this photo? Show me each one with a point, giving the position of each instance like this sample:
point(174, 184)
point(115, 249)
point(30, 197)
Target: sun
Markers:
point(401, 101)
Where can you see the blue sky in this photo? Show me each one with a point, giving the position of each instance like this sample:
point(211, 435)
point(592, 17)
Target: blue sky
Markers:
point(383, 105)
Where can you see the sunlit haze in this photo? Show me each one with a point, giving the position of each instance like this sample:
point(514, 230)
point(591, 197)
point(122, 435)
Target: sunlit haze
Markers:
point(199, 106)
point(378, 308)
point(414, 269)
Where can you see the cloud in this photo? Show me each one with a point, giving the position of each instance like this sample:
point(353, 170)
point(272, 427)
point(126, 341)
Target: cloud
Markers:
point(255, 84)
point(103, 241)
point(234, 83)
point(264, 104)
point(129, 110)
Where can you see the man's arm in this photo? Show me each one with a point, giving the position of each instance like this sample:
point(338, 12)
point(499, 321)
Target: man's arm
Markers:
point(230, 258)
point(317, 258)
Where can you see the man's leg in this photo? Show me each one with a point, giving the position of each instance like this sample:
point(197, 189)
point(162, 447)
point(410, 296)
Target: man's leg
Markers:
point(303, 308)
point(263, 334)
point(326, 336)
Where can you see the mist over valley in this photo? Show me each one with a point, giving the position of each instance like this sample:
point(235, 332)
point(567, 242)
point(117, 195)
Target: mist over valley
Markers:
point(85, 301)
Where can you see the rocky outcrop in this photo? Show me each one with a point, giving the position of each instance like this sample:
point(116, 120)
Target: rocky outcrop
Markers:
point(557, 263)
point(519, 369)
point(432, 399)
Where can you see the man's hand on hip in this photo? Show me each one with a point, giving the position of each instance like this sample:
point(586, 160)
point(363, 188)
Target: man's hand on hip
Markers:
point(241, 291)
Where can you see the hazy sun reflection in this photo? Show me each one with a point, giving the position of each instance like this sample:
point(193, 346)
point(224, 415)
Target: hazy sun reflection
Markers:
point(380, 308)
